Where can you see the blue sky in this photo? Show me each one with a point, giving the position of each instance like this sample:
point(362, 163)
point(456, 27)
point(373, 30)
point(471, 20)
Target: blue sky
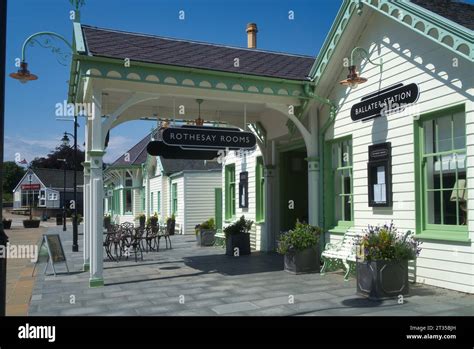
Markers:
point(30, 126)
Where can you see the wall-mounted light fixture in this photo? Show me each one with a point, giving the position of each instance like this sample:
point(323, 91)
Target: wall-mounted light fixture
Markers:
point(353, 78)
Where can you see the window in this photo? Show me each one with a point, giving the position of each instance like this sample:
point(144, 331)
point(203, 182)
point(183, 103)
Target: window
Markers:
point(127, 194)
point(151, 203)
point(142, 195)
point(158, 204)
point(174, 198)
point(338, 188)
point(441, 174)
point(260, 191)
point(116, 202)
point(230, 191)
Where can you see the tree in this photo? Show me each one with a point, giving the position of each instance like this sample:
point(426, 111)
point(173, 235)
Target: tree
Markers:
point(61, 152)
point(12, 174)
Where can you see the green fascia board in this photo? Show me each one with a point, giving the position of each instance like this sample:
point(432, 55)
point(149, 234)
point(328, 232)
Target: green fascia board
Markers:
point(430, 20)
point(79, 38)
point(341, 14)
point(293, 88)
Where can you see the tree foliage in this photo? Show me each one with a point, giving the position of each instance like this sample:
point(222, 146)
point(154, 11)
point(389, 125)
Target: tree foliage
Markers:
point(12, 174)
point(61, 152)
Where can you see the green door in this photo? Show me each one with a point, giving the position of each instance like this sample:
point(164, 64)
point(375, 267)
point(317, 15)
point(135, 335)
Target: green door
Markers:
point(218, 207)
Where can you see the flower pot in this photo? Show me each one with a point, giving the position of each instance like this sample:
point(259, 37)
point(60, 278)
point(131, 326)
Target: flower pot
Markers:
point(59, 219)
point(237, 241)
point(205, 237)
point(170, 225)
point(107, 222)
point(382, 279)
point(142, 221)
point(34, 223)
point(7, 224)
point(305, 261)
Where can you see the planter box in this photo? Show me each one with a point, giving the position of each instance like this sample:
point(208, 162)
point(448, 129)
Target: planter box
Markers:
point(170, 225)
point(306, 261)
point(59, 219)
point(35, 223)
point(382, 279)
point(7, 224)
point(240, 241)
point(206, 237)
point(107, 223)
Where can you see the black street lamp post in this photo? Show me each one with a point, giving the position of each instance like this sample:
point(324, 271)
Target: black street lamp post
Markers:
point(64, 195)
point(65, 140)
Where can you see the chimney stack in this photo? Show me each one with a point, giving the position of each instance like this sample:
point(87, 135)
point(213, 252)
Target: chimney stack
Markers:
point(252, 35)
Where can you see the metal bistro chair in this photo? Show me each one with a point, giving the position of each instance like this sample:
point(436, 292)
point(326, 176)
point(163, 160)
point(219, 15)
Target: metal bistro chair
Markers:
point(151, 237)
point(109, 241)
point(165, 232)
point(133, 242)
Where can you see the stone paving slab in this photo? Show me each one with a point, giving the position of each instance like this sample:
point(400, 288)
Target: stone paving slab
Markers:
point(201, 281)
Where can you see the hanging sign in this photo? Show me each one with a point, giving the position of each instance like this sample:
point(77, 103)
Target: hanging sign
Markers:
point(208, 137)
point(390, 100)
point(158, 148)
point(30, 186)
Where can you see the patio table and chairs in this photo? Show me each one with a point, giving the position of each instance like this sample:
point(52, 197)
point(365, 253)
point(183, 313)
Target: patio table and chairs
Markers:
point(121, 240)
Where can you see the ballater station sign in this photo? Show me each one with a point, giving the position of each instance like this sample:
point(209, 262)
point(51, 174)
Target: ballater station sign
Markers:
point(384, 102)
point(199, 142)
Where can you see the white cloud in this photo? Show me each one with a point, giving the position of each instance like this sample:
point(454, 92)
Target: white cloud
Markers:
point(118, 145)
point(28, 148)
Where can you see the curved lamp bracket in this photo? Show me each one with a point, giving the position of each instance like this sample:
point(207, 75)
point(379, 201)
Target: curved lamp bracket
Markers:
point(364, 54)
point(46, 40)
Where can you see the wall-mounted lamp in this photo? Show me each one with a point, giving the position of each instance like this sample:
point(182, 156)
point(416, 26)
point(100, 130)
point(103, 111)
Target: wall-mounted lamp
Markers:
point(353, 78)
point(23, 74)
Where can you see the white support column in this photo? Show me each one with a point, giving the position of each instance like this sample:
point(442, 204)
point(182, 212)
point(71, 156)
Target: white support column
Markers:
point(96, 194)
point(87, 221)
point(313, 169)
point(268, 238)
point(86, 201)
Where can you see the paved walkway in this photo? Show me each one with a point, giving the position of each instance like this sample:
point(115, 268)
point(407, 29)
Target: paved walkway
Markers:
point(19, 279)
point(189, 280)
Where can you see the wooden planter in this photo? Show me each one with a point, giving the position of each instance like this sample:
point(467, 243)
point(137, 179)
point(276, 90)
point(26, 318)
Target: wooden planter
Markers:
point(206, 237)
point(7, 224)
point(382, 279)
point(237, 241)
point(170, 225)
point(34, 223)
point(305, 261)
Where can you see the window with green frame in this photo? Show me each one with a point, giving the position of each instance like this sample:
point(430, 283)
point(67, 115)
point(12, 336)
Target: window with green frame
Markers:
point(128, 194)
point(116, 202)
point(440, 141)
point(151, 204)
point(259, 191)
point(230, 191)
point(174, 198)
point(338, 184)
point(158, 203)
point(142, 195)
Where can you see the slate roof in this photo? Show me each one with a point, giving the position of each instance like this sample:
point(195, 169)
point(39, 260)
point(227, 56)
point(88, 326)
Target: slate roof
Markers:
point(192, 54)
point(459, 12)
point(54, 178)
point(138, 156)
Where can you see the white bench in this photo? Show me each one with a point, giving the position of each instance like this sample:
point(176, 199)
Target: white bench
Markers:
point(344, 251)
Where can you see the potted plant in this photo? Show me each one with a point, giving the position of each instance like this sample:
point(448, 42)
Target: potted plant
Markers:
point(107, 221)
point(237, 237)
point(7, 223)
point(31, 223)
point(382, 266)
point(205, 233)
point(152, 221)
point(300, 246)
point(141, 219)
point(170, 224)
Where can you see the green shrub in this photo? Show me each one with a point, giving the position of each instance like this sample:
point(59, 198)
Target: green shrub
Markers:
point(238, 227)
point(300, 238)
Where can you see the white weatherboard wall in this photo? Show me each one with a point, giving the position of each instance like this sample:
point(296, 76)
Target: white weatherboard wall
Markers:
point(408, 57)
point(199, 197)
point(180, 214)
point(245, 161)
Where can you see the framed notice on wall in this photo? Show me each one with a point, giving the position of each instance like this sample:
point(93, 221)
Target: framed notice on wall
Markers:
point(379, 175)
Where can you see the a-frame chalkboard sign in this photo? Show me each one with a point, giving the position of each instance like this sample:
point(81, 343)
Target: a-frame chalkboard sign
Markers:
point(56, 254)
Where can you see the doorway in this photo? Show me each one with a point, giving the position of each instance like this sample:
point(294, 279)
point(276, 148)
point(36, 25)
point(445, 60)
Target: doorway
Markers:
point(293, 188)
